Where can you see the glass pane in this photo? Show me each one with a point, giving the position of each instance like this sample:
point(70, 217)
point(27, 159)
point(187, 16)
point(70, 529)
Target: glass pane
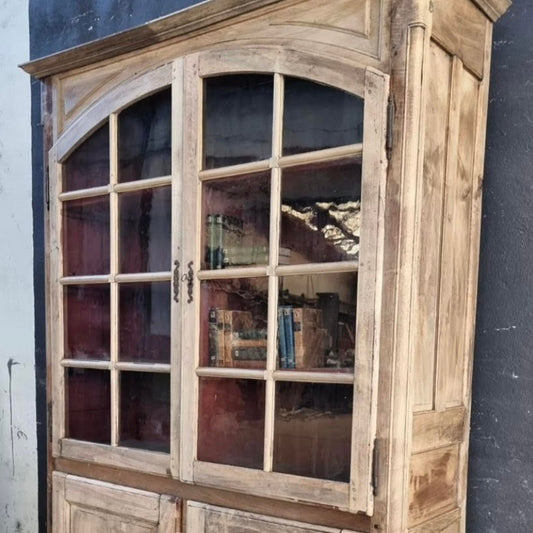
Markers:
point(145, 227)
point(231, 422)
point(236, 212)
point(145, 322)
point(87, 321)
point(88, 165)
point(321, 213)
point(88, 406)
point(237, 119)
point(316, 117)
point(312, 430)
point(234, 323)
point(86, 236)
point(145, 410)
point(316, 321)
point(144, 138)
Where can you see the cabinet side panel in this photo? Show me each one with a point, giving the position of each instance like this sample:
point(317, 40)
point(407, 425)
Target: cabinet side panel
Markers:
point(429, 224)
point(455, 248)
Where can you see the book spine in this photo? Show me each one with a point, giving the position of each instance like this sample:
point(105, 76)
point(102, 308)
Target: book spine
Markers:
point(218, 239)
point(221, 336)
point(213, 337)
point(281, 339)
point(289, 336)
point(251, 353)
point(210, 249)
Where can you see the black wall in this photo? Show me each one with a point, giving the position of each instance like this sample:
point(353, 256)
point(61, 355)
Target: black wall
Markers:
point(501, 453)
point(501, 463)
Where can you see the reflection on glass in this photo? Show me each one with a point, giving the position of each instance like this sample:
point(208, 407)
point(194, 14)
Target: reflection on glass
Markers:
point(145, 228)
point(144, 141)
point(312, 430)
point(237, 119)
point(145, 410)
point(145, 322)
point(321, 212)
point(316, 321)
point(318, 116)
point(87, 322)
point(88, 406)
point(236, 214)
point(86, 236)
point(234, 323)
point(88, 165)
point(231, 422)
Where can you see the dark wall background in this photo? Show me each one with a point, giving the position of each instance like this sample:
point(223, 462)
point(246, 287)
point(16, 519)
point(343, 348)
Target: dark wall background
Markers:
point(501, 462)
point(501, 453)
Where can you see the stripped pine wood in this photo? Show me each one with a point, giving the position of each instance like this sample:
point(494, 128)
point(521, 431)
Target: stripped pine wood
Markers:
point(475, 228)
point(433, 430)
point(433, 484)
point(153, 462)
point(416, 271)
point(456, 244)
point(60, 515)
point(192, 129)
point(430, 226)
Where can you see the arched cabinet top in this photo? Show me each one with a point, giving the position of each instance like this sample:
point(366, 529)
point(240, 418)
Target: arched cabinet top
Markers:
point(217, 62)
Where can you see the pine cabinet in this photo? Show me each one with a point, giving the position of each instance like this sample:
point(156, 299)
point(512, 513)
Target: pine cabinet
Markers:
point(263, 230)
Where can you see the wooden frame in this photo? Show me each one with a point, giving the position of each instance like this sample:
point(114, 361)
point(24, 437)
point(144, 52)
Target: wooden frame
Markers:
point(424, 154)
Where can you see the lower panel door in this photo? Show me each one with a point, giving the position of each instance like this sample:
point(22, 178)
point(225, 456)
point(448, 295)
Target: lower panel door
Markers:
point(86, 506)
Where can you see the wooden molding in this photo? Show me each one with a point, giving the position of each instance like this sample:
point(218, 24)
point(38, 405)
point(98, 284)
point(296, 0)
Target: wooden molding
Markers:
point(494, 9)
point(163, 29)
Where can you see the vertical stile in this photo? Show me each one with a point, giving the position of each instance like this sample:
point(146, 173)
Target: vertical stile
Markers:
point(192, 113)
point(56, 304)
point(367, 340)
point(114, 270)
point(275, 210)
point(177, 120)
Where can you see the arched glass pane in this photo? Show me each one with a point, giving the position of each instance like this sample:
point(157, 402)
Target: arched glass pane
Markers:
point(237, 119)
point(144, 138)
point(88, 165)
point(317, 116)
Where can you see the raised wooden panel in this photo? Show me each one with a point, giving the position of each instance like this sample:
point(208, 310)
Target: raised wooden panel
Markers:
point(202, 518)
point(437, 429)
point(83, 505)
point(432, 484)
point(456, 244)
point(429, 238)
point(462, 29)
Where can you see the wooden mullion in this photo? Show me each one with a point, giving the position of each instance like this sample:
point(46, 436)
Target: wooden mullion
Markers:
point(177, 120)
point(139, 185)
point(317, 268)
point(84, 193)
point(81, 363)
point(234, 373)
point(235, 170)
point(315, 377)
point(85, 280)
point(272, 324)
point(233, 272)
point(114, 269)
point(143, 277)
point(160, 368)
point(322, 156)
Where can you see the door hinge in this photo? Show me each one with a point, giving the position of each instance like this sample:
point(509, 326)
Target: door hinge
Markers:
point(375, 467)
point(389, 141)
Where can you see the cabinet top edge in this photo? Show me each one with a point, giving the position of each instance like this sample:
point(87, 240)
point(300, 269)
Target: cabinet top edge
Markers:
point(158, 31)
point(494, 9)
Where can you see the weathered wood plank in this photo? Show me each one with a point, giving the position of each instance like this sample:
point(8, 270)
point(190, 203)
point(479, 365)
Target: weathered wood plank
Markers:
point(446, 523)
point(460, 27)
point(434, 430)
point(429, 224)
point(432, 484)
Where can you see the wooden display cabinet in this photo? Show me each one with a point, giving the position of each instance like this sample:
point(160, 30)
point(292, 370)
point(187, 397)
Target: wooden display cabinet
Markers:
point(263, 240)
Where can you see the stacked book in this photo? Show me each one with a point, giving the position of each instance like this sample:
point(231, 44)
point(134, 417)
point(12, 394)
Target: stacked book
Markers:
point(301, 338)
point(228, 244)
point(233, 340)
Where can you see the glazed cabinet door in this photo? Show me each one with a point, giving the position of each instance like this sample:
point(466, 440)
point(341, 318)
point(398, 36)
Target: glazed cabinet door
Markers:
point(86, 506)
point(286, 172)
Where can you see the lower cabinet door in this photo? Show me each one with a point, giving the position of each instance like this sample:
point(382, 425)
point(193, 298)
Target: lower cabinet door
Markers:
point(203, 518)
point(87, 506)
